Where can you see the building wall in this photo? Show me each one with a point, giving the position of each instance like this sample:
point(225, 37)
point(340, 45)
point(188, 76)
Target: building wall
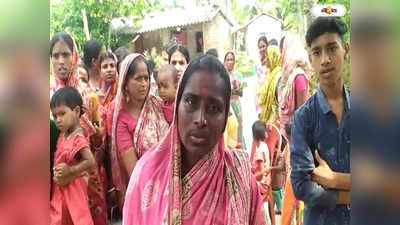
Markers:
point(217, 34)
point(160, 38)
point(191, 40)
point(263, 25)
point(154, 39)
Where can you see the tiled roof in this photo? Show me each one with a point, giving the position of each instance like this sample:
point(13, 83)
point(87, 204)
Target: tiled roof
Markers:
point(168, 19)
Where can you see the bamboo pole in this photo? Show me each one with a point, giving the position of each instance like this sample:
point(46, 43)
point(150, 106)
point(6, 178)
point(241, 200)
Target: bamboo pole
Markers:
point(85, 24)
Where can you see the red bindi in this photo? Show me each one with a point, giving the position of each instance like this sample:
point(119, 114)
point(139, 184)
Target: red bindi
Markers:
point(204, 91)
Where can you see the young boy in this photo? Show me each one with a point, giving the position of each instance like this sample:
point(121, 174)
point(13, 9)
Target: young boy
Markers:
point(167, 82)
point(260, 161)
point(320, 139)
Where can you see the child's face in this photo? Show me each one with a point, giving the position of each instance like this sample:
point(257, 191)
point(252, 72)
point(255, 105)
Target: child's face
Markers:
point(166, 86)
point(83, 75)
point(65, 118)
point(164, 58)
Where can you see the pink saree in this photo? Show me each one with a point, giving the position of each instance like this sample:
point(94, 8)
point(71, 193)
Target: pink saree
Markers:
point(294, 62)
point(95, 190)
point(219, 189)
point(73, 81)
point(150, 129)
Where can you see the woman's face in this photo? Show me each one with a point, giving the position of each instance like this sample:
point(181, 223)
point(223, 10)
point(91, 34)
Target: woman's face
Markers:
point(179, 61)
point(262, 49)
point(108, 70)
point(61, 58)
point(201, 112)
point(137, 86)
point(229, 62)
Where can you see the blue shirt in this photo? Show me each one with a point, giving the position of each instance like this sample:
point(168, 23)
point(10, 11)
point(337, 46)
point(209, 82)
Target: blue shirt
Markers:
point(315, 127)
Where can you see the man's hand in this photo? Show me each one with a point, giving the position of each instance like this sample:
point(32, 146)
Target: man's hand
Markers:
point(323, 175)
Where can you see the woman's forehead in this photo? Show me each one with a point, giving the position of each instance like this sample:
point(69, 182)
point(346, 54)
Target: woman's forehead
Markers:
point(108, 61)
point(61, 46)
point(177, 55)
point(205, 83)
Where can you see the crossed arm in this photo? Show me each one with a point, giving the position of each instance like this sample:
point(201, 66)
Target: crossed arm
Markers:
point(318, 186)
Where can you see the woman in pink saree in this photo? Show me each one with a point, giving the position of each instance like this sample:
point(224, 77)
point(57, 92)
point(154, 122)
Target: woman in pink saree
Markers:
point(189, 177)
point(293, 92)
point(64, 59)
point(293, 86)
point(137, 118)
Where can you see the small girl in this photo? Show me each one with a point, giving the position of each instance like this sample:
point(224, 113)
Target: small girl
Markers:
point(69, 204)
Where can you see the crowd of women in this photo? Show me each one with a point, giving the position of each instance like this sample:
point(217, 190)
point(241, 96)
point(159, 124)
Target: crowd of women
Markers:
point(165, 145)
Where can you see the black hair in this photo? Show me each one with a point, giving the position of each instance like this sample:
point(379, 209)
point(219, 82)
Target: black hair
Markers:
point(258, 129)
point(167, 46)
point(168, 68)
point(273, 42)
point(132, 68)
point(181, 49)
point(67, 96)
point(212, 65)
point(151, 65)
point(61, 36)
point(106, 55)
point(226, 55)
point(323, 25)
point(91, 50)
point(212, 51)
point(281, 43)
point(82, 65)
point(263, 39)
point(121, 53)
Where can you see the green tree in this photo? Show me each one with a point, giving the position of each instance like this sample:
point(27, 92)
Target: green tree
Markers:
point(66, 15)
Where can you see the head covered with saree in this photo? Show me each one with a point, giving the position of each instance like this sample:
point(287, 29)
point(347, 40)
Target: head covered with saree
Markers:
point(218, 188)
point(268, 101)
point(151, 126)
point(294, 62)
point(112, 90)
point(64, 58)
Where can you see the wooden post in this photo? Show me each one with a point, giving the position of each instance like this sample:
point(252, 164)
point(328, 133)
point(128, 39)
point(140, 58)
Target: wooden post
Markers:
point(85, 24)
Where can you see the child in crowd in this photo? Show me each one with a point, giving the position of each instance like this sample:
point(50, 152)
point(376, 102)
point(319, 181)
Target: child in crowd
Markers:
point(83, 73)
point(167, 82)
point(69, 203)
point(291, 207)
point(260, 161)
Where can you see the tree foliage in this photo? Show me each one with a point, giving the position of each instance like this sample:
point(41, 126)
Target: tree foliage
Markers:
point(66, 15)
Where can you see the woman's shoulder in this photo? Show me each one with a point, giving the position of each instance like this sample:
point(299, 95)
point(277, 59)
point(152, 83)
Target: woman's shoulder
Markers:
point(240, 159)
point(125, 118)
